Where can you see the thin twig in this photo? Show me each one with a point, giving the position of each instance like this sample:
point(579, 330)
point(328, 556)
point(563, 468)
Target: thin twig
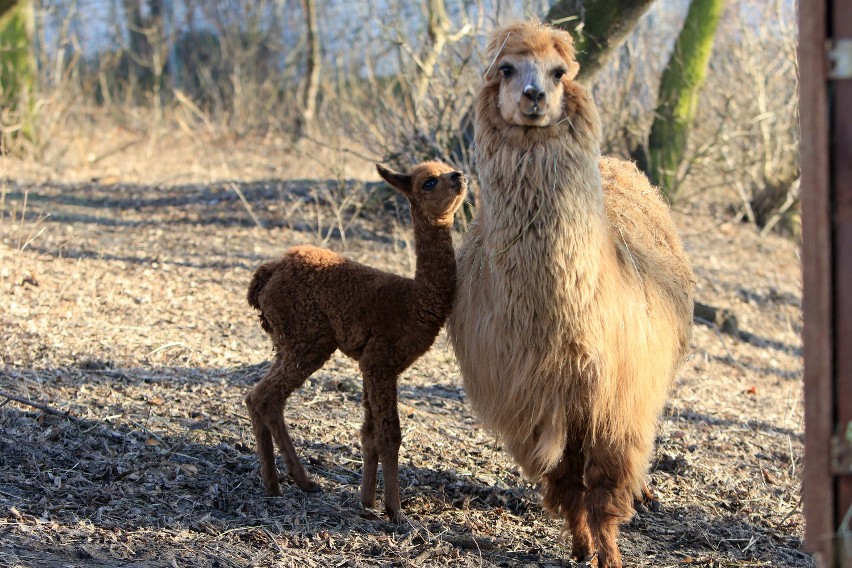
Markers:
point(796, 509)
point(345, 150)
point(242, 197)
point(792, 196)
point(519, 235)
point(496, 55)
point(42, 407)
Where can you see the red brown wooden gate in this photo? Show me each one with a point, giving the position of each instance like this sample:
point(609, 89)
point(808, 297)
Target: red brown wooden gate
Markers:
point(825, 106)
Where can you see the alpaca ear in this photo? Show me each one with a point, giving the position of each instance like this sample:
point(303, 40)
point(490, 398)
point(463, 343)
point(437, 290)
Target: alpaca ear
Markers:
point(401, 182)
point(573, 70)
point(564, 44)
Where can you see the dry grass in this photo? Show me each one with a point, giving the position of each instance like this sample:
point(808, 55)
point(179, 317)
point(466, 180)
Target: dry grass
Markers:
point(127, 312)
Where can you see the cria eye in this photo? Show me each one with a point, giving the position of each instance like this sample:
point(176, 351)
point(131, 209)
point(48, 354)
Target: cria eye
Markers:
point(430, 184)
point(507, 70)
point(558, 74)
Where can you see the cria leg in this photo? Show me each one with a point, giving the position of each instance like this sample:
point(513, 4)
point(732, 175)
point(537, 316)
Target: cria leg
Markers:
point(370, 455)
point(564, 493)
point(384, 439)
point(266, 403)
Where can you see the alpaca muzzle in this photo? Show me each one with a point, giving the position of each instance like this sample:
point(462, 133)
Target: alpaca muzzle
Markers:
point(459, 182)
point(533, 108)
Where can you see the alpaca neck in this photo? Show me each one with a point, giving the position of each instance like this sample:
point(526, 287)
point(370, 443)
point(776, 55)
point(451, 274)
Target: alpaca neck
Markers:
point(549, 173)
point(435, 272)
point(543, 207)
point(553, 189)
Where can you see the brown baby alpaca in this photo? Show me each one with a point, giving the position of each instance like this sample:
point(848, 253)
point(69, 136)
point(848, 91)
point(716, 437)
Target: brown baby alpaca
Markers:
point(574, 302)
point(314, 301)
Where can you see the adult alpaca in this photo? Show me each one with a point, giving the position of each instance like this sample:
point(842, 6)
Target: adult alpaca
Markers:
point(574, 301)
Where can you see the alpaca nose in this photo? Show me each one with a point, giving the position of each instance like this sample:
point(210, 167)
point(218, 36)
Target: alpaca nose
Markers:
point(455, 177)
point(533, 92)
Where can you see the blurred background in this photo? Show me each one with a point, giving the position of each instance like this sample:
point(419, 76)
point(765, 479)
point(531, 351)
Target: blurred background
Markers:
point(701, 93)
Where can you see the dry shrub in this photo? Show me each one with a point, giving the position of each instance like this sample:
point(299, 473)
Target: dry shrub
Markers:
point(743, 149)
point(218, 67)
point(398, 87)
point(749, 115)
point(405, 110)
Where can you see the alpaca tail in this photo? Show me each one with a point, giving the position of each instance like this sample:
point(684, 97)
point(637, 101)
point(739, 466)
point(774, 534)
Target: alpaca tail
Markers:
point(260, 279)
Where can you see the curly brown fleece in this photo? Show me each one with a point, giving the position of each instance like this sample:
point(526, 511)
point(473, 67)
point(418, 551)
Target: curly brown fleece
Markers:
point(313, 301)
point(574, 305)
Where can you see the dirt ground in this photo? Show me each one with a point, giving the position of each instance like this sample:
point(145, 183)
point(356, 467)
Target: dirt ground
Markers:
point(123, 271)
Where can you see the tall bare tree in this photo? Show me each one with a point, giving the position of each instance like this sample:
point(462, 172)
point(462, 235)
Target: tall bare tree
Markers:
point(312, 68)
point(148, 49)
point(440, 35)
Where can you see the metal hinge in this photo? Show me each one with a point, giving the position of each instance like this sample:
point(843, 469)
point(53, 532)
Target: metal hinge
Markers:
point(839, 59)
point(841, 452)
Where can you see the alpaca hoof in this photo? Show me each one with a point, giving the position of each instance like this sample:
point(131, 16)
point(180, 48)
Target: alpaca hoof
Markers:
point(581, 555)
point(582, 549)
point(397, 517)
point(309, 486)
point(274, 491)
point(369, 502)
point(646, 500)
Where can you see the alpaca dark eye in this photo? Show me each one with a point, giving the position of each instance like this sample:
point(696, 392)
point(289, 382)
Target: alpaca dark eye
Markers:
point(430, 184)
point(507, 70)
point(558, 74)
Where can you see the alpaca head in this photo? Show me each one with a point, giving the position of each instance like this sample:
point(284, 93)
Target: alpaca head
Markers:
point(532, 67)
point(433, 189)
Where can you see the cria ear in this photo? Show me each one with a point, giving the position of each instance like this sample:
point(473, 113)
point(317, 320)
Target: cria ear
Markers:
point(401, 182)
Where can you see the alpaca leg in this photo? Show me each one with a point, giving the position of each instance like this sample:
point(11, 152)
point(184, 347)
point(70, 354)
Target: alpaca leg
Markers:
point(262, 434)
point(564, 492)
point(266, 452)
point(370, 455)
point(386, 435)
point(294, 466)
point(646, 499)
point(610, 478)
point(266, 403)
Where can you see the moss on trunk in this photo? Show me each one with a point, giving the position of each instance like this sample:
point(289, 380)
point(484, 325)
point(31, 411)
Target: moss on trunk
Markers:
point(680, 87)
point(598, 28)
point(17, 69)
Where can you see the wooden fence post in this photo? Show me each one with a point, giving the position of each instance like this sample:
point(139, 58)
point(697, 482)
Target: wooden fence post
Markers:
point(825, 105)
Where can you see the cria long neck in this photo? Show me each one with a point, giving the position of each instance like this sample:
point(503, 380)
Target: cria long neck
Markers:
point(435, 273)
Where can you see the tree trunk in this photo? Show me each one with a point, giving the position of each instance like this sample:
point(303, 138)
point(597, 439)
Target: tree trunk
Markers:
point(6, 5)
point(312, 69)
point(598, 26)
point(138, 51)
point(17, 65)
point(17, 70)
point(680, 86)
point(439, 30)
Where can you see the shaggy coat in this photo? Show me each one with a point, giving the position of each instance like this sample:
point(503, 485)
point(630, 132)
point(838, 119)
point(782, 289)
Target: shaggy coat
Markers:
point(574, 303)
point(313, 301)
